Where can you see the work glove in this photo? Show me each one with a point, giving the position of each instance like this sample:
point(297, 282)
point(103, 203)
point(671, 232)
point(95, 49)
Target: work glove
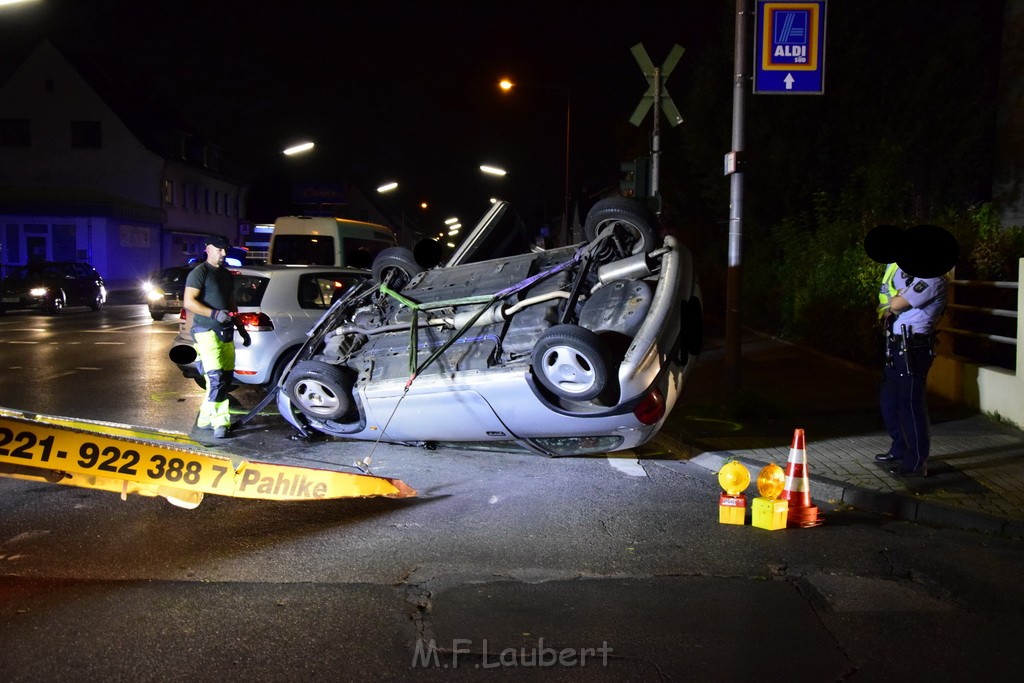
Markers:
point(220, 316)
point(246, 338)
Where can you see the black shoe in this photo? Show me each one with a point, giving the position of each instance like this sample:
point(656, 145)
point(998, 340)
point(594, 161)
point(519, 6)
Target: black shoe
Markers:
point(901, 471)
point(888, 457)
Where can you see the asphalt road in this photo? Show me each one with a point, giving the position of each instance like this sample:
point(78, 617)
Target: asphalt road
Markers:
point(605, 567)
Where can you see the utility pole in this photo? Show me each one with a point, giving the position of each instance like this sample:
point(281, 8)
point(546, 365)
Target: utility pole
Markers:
point(734, 169)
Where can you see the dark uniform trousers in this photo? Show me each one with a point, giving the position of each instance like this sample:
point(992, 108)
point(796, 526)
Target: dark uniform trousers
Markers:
point(903, 398)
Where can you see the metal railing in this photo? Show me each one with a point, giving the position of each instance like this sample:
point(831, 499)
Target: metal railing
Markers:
point(988, 323)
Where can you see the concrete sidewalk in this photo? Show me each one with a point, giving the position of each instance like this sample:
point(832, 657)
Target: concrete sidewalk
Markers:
point(976, 469)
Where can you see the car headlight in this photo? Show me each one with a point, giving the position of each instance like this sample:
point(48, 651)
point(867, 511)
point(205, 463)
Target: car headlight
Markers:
point(155, 294)
point(38, 291)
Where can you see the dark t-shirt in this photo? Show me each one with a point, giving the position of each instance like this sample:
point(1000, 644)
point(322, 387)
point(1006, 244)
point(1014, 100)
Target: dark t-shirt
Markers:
point(215, 285)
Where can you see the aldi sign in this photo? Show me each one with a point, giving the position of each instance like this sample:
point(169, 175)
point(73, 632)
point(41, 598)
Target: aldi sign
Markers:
point(789, 48)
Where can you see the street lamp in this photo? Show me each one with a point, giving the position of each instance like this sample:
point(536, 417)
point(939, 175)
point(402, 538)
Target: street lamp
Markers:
point(297, 149)
point(492, 170)
point(506, 85)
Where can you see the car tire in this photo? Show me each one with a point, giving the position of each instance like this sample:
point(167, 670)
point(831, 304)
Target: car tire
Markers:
point(396, 265)
point(156, 315)
point(319, 390)
point(634, 226)
point(572, 362)
point(97, 301)
point(58, 303)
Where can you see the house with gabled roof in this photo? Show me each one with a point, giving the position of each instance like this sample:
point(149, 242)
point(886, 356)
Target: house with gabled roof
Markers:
point(92, 172)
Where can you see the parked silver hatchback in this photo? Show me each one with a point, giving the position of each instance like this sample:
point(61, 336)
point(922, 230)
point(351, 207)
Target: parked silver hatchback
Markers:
point(278, 305)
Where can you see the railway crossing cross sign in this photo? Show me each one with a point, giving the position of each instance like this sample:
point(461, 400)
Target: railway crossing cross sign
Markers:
point(656, 91)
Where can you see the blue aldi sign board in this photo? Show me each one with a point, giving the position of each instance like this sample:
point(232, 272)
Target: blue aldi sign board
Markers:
point(789, 48)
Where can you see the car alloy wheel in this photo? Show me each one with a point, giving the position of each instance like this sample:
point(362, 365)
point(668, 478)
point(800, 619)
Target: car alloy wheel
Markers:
point(58, 303)
point(320, 390)
point(572, 362)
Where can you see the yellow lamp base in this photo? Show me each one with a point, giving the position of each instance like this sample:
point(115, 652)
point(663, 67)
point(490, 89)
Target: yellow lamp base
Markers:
point(769, 514)
point(732, 509)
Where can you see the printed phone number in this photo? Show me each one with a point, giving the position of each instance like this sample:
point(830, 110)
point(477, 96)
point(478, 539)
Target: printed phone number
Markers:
point(25, 445)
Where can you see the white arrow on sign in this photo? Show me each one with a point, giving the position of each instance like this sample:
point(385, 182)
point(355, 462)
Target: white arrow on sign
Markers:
point(789, 80)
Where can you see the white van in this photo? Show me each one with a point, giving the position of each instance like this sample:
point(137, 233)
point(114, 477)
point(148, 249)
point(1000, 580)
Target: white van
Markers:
point(324, 241)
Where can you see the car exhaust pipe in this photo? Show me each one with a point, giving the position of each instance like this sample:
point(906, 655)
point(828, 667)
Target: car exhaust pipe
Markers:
point(182, 354)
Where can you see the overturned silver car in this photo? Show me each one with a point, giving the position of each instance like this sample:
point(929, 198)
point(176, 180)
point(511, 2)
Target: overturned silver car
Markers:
point(566, 351)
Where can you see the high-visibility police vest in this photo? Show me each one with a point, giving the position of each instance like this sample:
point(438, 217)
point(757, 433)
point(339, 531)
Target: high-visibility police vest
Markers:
point(888, 289)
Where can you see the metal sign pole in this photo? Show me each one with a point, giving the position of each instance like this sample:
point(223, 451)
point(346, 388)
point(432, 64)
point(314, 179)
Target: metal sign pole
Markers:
point(734, 274)
point(656, 135)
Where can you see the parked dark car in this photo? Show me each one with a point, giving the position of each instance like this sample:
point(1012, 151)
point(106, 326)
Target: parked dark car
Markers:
point(52, 286)
point(572, 350)
point(165, 291)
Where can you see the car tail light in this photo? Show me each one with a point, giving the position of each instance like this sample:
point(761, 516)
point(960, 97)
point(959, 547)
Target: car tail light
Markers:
point(256, 322)
point(651, 408)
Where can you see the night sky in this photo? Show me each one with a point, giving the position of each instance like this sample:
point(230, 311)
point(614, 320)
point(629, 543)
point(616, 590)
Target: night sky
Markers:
point(395, 90)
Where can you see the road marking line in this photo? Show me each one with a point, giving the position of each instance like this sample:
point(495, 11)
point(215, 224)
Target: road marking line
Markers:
point(627, 463)
point(109, 343)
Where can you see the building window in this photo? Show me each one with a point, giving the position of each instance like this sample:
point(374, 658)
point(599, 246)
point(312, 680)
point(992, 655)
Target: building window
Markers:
point(86, 135)
point(168, 191)
point(15, 133)
point(206, 202)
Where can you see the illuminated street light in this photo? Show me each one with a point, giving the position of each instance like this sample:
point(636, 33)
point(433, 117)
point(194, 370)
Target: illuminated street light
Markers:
point(449, 221)
point(298, 149)
point(492, 170)
point(13, 2)
point(387, 187)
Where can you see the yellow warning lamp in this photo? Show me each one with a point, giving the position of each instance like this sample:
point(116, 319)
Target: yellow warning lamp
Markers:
point(768, 512)
point(734, 477)
point(771, 481)
point(732, 504)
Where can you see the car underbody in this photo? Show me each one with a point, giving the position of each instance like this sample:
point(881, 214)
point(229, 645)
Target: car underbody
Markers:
point(575, 349)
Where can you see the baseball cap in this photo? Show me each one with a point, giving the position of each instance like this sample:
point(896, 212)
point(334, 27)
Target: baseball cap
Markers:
point(218, 241)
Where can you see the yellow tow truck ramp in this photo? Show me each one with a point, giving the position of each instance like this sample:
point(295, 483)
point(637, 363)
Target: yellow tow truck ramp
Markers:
point(125, 459)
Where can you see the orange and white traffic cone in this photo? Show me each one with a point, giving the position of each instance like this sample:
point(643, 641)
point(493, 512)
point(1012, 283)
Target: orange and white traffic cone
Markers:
point(798, 489)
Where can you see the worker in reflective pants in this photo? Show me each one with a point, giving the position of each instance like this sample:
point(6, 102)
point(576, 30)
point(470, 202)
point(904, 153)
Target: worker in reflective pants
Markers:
point(209, 296)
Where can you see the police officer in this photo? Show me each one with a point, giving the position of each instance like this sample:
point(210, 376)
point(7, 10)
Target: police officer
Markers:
point(910, 337)
point(209, 295)
point(912, 300)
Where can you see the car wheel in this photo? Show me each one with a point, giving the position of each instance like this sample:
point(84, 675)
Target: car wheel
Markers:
point(632, 225)
point(156, 315)
point(97, 301)
point(572, 362)
point(395, 266)
point(320, 390)
point(58, 303)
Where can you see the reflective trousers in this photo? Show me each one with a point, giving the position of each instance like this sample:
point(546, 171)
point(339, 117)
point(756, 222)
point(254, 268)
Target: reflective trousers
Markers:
point(903, 401)
point(218, 359)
